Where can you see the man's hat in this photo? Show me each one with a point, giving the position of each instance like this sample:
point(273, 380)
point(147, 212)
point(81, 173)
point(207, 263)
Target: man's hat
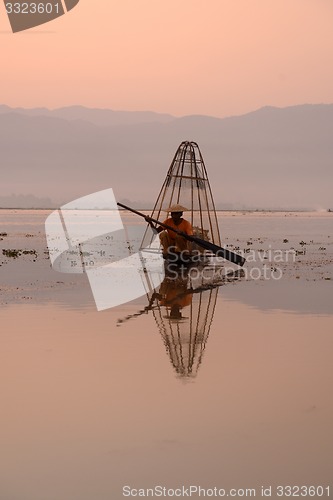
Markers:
point(176, 208)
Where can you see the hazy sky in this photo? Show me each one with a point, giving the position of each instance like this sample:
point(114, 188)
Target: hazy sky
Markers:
point(216, 57)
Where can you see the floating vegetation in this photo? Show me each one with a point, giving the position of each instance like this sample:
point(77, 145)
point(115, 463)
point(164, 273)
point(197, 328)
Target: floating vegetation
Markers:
point(84, 254)
point(29, 252)
point(11, 253)
point(14, 254)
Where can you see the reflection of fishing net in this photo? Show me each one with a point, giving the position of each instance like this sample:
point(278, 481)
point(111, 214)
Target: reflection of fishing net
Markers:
point(187, 184)
point(184, 323)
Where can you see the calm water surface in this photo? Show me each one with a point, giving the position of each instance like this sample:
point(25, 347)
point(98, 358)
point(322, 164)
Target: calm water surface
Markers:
point(229, 387)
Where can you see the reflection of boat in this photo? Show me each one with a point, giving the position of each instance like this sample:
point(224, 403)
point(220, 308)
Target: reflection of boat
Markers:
point(183, 306)
point(187, 184)
point(184, 315)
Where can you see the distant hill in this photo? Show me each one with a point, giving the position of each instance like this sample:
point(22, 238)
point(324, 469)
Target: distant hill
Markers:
point(100, 117)
point(270, 158)
point(25, 201)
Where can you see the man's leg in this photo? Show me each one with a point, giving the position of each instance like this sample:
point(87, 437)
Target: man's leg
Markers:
point(182, 244)
point(165, 241)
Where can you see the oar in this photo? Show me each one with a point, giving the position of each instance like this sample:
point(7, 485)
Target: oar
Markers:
point(215, 249)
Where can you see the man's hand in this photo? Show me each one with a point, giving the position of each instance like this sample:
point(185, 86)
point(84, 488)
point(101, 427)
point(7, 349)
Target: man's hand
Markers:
point(150, 222)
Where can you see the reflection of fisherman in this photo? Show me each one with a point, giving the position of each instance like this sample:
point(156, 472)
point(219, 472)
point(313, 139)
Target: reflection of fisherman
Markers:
point(169, 239)
point(174, 295)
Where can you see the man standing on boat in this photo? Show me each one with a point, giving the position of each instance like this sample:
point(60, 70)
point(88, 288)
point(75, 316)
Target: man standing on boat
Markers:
point(172, 242)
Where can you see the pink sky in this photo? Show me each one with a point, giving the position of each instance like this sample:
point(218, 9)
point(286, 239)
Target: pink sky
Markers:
point(216, 57)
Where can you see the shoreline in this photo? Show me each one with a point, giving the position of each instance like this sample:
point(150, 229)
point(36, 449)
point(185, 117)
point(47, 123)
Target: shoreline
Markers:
point(219, 210)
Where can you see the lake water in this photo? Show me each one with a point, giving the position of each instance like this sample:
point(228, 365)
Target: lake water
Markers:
point(231, 389)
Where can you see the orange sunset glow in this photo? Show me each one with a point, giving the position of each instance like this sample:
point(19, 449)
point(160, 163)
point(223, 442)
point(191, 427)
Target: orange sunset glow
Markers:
point(219, 57)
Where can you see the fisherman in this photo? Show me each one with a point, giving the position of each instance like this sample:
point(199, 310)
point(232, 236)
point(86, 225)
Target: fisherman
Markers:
point(171, 241)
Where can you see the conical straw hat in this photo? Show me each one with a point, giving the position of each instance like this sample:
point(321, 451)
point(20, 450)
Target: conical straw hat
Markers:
point(176, 208)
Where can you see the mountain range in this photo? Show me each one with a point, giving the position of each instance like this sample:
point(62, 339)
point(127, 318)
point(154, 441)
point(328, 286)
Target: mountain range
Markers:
point(269, 158)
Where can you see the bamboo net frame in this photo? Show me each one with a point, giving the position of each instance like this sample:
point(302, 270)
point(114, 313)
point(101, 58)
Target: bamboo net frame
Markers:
point(187, 184)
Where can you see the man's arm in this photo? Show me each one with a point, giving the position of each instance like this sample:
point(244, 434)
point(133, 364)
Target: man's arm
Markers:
point(155, 229)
